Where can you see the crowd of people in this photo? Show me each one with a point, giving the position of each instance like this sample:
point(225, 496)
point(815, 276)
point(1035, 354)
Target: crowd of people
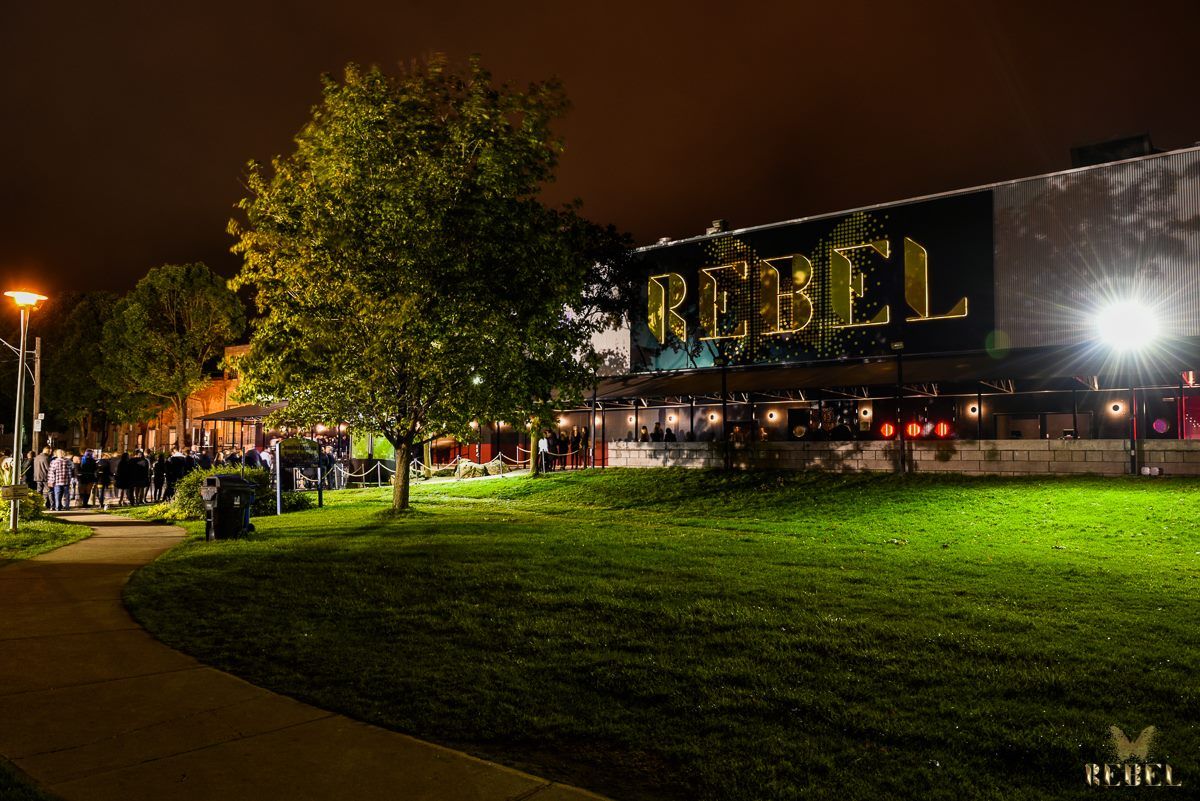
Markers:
point(558, 450)
point(66, 479)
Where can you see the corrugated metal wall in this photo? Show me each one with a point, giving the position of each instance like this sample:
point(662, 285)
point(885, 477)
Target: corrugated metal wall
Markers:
point(1069, 245)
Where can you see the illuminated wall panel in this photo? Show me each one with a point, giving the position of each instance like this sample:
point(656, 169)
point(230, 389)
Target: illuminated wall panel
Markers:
point(1068, 245)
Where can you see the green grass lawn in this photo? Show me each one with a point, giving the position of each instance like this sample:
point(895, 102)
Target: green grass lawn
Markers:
point(691, 635)
point(37, 536)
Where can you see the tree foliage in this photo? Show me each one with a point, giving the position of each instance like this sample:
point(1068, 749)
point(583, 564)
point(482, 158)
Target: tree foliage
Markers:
point(77, 386)
point(166, 332)
point(407, 277)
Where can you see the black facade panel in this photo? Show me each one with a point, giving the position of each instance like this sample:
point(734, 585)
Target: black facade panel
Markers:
point(942, 246)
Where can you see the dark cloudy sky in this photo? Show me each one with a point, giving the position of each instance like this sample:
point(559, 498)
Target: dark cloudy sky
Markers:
point(126, 126)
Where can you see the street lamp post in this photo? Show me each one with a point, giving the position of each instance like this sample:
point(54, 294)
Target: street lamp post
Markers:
point(25, 301)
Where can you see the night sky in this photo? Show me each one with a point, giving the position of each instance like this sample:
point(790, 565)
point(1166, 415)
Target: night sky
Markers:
point(127, 126)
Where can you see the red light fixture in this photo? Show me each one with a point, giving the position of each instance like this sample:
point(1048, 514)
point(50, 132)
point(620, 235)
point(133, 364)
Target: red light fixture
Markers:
point(913, 430)
point(887, 431)
point(942, 429)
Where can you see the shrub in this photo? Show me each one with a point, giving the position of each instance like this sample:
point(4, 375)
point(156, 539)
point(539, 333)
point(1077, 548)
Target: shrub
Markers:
point(190, 505)
point(297, 501)
point(31, 507)
point(165, 512)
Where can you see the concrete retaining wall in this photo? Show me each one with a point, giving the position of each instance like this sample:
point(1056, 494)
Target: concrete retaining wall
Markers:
point(1006, 457)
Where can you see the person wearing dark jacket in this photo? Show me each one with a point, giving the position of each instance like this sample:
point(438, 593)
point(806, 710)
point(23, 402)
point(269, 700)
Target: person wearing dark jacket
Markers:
point(28, 471)
point(159, 473)
point(123, 480)
point(41, 466)
point(252, 458)
point(87, 478)
point(141, 477)
point(103, 481)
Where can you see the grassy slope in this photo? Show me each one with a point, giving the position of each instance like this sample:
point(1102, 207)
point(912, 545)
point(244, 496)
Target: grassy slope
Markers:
point(691, 635)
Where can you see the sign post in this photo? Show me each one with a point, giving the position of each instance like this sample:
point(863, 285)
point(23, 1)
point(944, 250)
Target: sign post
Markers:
point(296, 453)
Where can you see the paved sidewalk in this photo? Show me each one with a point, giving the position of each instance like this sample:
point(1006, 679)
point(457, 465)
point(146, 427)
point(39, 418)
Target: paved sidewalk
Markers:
point(94, 708)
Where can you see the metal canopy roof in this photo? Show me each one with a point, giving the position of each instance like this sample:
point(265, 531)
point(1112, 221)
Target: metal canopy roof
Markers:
point(250, 413)
point(1162, 368)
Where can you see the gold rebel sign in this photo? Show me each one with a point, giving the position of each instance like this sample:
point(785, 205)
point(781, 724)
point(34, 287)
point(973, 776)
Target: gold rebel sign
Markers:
point(784, 311)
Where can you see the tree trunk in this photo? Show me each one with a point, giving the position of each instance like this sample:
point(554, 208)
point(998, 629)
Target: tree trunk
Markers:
point(535, 434)
point(401, 481)
point(181, 422)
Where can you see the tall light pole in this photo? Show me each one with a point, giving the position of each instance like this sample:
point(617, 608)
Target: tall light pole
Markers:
point(1128, 327)
point(26, 301)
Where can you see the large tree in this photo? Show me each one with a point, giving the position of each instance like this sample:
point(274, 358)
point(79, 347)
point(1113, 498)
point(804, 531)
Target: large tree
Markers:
point(167, 333)
point(407, 277)
point(77, 389)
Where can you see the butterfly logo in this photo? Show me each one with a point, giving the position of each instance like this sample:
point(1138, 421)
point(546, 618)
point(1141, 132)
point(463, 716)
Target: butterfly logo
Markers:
point(1137, 749)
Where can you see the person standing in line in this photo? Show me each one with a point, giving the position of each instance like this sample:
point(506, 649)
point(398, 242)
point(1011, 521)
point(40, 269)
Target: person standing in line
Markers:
point(252, 459)
point(27, 468)
point(160, 476)
point(73, 495)
point(669, 436)
point(644, 435)
point(560, 450)
point(123, 480)
point(87, 478)
point(41, 466)
point(575, 448)
point(657, 434)
point(103, 480)
point(266, 458)
point(176, 467)
point(543, 451)
point(58, 478)
point(141, 477)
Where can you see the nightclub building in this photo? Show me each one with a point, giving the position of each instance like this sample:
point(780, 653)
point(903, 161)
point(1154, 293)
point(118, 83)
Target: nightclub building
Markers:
point(1043, 325)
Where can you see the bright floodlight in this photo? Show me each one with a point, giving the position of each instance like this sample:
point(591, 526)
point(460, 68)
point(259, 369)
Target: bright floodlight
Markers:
point(1127, 325)
point(25, 298)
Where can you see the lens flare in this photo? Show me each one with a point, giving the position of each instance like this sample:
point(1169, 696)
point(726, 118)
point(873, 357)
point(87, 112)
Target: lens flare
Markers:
point(1127, 326)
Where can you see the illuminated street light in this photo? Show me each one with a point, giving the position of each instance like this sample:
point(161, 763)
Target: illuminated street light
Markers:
point(1127, 326)
point(26, 301)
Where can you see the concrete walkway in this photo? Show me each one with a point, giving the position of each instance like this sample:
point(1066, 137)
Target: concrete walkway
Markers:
point(94, 708)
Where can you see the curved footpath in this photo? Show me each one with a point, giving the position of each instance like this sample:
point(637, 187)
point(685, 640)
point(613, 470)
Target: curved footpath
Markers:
point(93, 707)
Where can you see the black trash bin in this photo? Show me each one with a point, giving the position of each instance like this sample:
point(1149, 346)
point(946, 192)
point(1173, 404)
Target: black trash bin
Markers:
point(227, 502)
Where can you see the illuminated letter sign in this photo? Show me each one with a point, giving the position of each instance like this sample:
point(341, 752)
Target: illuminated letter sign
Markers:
point(663, 307)
point(916, 285)
point(714, 301)
point(846, 284)
point(785, 312)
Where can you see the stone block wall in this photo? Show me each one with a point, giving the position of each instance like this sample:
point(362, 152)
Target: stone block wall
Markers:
point(1006, 457)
